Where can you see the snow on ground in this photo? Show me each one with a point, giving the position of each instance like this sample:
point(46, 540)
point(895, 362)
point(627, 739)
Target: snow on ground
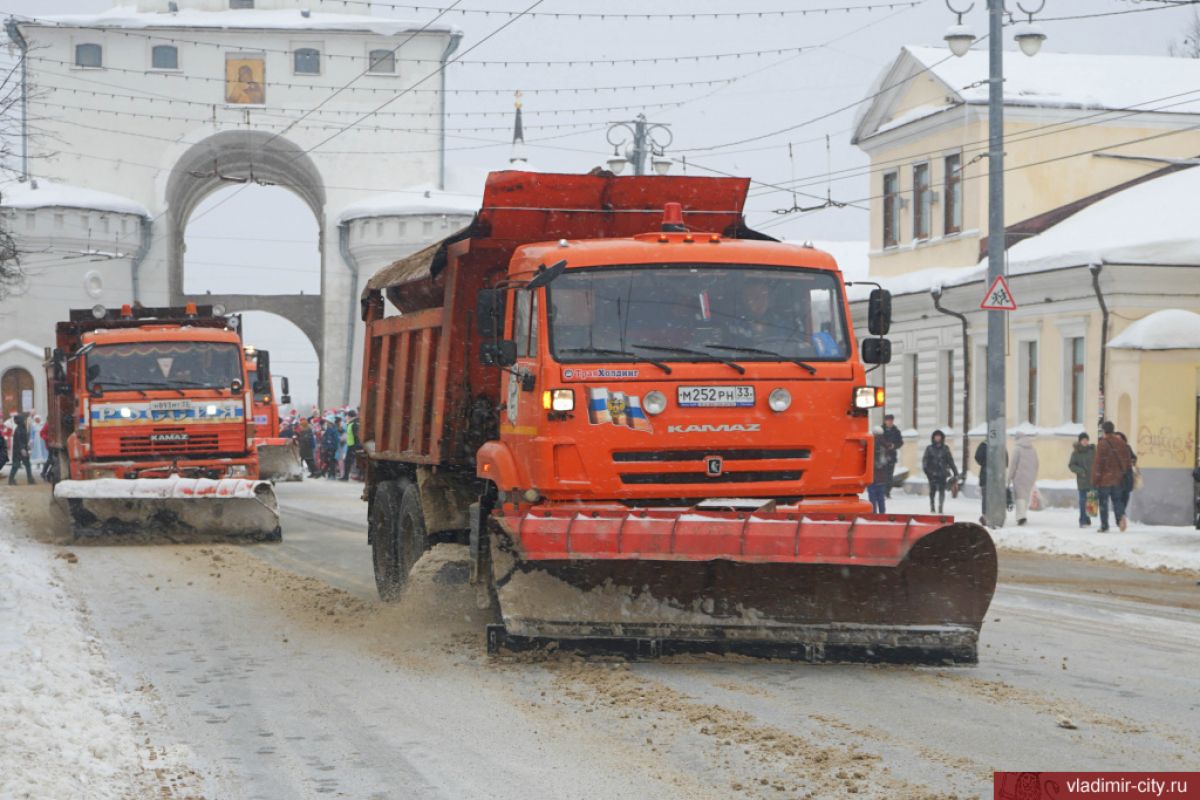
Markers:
point(1056, 531)
point(63, 732)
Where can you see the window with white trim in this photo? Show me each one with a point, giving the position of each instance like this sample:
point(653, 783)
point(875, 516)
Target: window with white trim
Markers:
point(89, 56)
point(306, 61)
point(164, 56)
point(381, 62)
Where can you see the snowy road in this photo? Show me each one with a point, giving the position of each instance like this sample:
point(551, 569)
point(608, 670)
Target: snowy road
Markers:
point(270, 671)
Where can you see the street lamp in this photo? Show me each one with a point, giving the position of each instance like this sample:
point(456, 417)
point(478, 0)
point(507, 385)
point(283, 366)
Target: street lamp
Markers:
point(959, 39)
point(641, 139)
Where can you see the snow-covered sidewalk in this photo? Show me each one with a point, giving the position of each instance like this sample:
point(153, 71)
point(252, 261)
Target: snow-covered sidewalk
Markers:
point(63, 731)
point(1056, 531)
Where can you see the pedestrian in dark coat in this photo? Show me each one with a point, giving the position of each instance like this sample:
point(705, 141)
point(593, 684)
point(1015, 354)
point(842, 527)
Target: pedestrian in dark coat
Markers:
point(881, 477)
point(892, 442)
point(3, 451)
point(1113, 460)
point(1082, 458)
point(330, 441)
point(304, 437)
point(1128, 478)
point(938, 463)
point(20, 451)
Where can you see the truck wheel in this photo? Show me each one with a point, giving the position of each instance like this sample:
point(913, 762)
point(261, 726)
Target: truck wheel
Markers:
point(384, 523)
point(414, 541)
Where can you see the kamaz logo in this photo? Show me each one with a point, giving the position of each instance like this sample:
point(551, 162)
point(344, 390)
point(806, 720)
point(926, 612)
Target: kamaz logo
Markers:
point(750, 427)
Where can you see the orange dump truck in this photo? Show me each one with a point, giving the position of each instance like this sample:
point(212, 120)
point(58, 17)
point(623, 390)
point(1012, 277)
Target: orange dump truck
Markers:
point(149, 429)
point(650, 424)
point(278, 456)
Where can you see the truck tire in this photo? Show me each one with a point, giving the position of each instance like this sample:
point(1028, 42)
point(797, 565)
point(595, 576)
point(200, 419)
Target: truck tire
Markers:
point(384, 523)
point(398, 537)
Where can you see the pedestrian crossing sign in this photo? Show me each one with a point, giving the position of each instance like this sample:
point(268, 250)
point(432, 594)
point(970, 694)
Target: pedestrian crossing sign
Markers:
point(998, 297)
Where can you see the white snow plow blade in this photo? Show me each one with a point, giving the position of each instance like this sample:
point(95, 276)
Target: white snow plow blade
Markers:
point(155, 506)
point(279, 461)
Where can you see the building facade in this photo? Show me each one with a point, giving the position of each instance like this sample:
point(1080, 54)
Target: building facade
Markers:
point(162, 104)
point(1099, 236)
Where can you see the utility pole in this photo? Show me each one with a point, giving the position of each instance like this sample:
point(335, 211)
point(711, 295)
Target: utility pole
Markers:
point(997, 422)
point(1030, 38)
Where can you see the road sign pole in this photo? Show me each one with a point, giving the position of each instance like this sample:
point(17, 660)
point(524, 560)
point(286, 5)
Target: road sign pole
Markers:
point(997, 429)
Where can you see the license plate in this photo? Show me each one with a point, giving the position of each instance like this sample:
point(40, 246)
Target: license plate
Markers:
point(170, 405)
point(716, 396)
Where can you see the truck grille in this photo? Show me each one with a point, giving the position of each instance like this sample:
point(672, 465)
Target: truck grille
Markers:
point(145, 445)
point(742, 454)
point(759, 476)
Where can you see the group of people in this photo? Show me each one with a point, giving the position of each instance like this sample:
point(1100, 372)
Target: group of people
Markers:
point(1105, 474)
point(329, 443)
point(24, 443)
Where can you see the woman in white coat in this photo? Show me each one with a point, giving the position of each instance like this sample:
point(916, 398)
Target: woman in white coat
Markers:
point(37, 446)
point(1022, 474)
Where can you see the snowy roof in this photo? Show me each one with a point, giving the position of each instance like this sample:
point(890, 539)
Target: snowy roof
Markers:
point(421, 199)
point(1144, 224)
point(129, 17)
point(1170, 329)
point(1072, 80)
point(48, 194)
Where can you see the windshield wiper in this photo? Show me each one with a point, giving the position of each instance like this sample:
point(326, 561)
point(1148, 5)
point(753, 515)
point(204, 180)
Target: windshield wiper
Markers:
point(687, 351)
point(123, 386)
point(811, 369)
point(623, 353)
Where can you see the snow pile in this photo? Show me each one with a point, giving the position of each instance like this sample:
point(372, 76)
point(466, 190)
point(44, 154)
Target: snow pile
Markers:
point(912, 115)
point(62, 729)
point(1170, 329)
point(129, 17)
point(51, 194)
point(1072, 80)
point(420, 199)
point(1056, 531)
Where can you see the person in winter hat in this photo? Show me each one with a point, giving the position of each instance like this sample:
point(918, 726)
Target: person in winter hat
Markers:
point(1082, 456)
point(893, 440)
point(938, 463)
point(1113, 460)
point(1022, 474)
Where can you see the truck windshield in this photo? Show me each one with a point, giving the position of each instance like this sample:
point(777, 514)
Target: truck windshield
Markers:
point(164, 365)
point(697, 313)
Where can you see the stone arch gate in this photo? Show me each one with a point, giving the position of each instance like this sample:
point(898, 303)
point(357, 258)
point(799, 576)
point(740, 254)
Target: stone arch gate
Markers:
point(245, 155)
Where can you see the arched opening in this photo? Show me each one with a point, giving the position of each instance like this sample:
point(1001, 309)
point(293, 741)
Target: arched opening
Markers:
point(16, 387)
point(250, 239)
point(292, 355)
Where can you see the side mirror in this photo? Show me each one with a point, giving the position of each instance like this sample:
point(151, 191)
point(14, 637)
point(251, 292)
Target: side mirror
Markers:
point(262, 372)
point(498, 353)
point(879, 313)
point(62, 388)
point(286, 394)
point(545, 275)
point(489, 312)
point(236, 386)
point(876, 351)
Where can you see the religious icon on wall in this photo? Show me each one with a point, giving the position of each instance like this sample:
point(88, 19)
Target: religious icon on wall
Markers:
point(245, 80)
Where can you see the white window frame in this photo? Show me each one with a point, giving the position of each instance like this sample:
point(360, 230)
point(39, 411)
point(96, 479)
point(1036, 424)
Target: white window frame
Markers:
point(912, 404)
point(76, 44)
point(178, 57)
point(916, 201)
point(1023, 388)
point(395, 73)
point(947, 387)
point(296, 47)
point(1067, 330)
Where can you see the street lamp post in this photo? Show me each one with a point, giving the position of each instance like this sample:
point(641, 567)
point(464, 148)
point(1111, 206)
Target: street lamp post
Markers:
point(642, 140)
point(1030, 39)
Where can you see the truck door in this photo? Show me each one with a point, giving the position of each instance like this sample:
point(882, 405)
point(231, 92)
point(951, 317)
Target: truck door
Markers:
point(522, 400)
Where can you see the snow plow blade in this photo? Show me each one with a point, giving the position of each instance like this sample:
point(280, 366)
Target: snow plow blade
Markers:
point(171, 506)
point(815, 587)
point(279, 460)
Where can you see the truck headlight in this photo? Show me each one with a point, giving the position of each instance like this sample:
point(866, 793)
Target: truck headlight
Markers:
point(868, 396)
point(558, 399)
point(780, 399)
point(126, 412)
point(654, 402)
point(211, 410)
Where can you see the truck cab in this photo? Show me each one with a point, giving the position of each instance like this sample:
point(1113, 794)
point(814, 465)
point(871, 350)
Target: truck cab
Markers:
point(150, 393)
point(672, 365)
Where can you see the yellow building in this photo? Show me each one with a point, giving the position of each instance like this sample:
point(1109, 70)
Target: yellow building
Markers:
point(1102, 232)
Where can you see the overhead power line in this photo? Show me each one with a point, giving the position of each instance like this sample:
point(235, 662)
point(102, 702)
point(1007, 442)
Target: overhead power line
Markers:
point(618, 16)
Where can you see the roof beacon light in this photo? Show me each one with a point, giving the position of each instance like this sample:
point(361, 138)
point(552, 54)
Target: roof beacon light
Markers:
point(673, 218)
point(190, 309)
point(127, 311)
